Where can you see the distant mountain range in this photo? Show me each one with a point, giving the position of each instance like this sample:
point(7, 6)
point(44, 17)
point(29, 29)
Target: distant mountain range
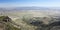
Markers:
point(31, 8)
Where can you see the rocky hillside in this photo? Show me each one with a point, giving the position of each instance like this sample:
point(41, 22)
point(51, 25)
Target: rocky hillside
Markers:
point(6, 24)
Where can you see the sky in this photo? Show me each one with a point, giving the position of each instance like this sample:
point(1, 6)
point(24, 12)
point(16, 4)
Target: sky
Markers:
point(29, 3)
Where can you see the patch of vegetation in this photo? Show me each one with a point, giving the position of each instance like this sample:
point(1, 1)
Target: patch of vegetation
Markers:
point(11, 27)
point(2, 17)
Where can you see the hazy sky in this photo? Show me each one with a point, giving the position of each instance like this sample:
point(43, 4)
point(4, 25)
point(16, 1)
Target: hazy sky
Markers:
point(24, 3)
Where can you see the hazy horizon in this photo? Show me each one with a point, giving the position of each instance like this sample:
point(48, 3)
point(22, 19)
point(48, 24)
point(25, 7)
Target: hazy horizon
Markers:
point(29, 3)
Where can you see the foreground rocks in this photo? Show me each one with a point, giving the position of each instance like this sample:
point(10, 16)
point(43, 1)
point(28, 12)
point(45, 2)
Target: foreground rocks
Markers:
point(33, 23)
